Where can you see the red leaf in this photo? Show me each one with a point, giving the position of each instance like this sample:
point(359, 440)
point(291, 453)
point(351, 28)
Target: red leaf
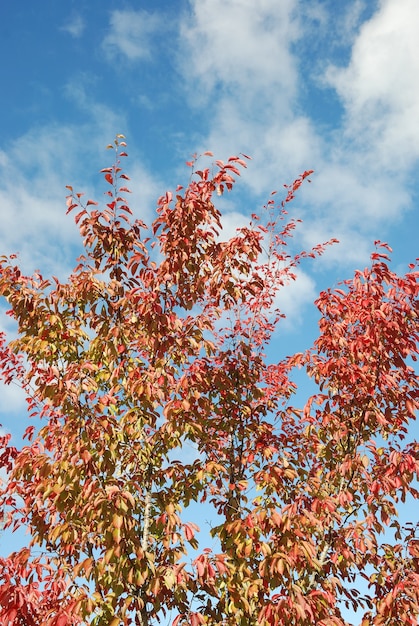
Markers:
point(11, 614)
point(410, 405)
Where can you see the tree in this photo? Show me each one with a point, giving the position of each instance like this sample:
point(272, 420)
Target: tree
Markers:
point(155, 347)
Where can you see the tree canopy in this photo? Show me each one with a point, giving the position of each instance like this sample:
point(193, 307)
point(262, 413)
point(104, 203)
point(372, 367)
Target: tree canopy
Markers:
point(147, 369)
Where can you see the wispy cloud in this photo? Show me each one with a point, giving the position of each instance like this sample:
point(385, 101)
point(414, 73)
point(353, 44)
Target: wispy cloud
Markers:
point(35, 170)
point(75, 26)
point(32, 196)
point(131, 34)
point(245, 47)
point(379, 87)
point(253, 83)
point(242, 67)
point(249, 76)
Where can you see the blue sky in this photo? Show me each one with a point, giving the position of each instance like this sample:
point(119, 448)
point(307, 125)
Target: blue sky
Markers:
point(296, 84)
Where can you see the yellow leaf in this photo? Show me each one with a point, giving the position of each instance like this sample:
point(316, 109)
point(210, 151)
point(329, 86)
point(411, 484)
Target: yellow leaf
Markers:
point(139, 577)
point(169, 579)
point(117, 521)
point(108, 555)
point(116, 535)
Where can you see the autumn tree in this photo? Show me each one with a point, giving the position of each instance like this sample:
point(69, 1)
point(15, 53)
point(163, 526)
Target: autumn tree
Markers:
point(149, 388)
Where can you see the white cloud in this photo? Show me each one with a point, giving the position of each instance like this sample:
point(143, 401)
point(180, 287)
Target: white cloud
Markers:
point(231, 221)
point(243, 61)
point(75, 26)
point(293, 299)
point(241, 45)
point(294, 295)
point(238, 57)
point(353, 197)
point(353, 249)
point(32, 196)
point(35, 170)
point(12, 396)
point(130, 34)
point(337, 27)
point(379, 88)
point(243, 57)
point(13, 400)
point(146, 189)
point(351, 19)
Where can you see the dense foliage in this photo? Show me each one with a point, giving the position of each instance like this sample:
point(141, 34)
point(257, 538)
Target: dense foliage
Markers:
point(147, 369)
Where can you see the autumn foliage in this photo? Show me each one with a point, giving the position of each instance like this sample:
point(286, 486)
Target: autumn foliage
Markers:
point(150, 392)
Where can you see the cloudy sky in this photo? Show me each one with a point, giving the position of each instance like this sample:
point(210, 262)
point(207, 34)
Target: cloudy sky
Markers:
point(296, 84)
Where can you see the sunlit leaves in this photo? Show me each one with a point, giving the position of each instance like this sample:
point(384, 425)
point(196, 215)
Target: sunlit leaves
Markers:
point(147, 368)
